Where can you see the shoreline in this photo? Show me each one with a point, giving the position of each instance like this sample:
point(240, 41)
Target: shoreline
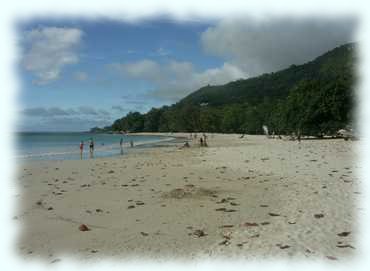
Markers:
point(248, 198)
point(99, 149)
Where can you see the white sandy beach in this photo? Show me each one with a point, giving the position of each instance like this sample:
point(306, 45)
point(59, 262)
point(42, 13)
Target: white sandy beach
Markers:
point(248, 198)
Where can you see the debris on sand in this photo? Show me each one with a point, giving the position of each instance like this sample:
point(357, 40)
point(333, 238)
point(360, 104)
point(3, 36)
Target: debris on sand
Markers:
point(332, 258)
point(249, 224)
point(144, 233)
point(226, 235)
point(55, 260)
point(225, 210)
point(199, 233)
point(227, 226)
point(83, 227)
point(282, 246)
point(319, 216)
point(273, 214)
point(177, 193)
point(224, 243)
point(343, 234)
point(230, 210)
point(222, 201)
point(190, 191)
point(345, 246)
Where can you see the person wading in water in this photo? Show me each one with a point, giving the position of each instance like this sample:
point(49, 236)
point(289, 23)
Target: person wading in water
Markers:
point(81, 149)
point(91, 148)
point(121, 145)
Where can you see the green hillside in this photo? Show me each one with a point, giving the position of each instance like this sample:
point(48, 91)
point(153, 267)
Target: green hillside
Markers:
point(314, 98)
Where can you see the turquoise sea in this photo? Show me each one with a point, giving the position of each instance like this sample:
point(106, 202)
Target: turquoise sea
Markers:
point(62, 146)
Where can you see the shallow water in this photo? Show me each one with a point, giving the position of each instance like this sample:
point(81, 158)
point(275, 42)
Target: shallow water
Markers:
point(65, 146)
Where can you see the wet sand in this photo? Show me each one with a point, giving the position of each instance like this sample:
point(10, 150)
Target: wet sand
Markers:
point(247, 198)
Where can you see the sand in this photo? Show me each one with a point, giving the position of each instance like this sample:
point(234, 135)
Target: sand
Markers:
point(248, 198)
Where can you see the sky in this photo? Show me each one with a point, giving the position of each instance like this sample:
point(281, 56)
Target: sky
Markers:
point(78, 74)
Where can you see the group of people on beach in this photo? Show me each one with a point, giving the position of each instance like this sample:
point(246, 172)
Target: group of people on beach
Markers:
point(91, 147)
point(202, 140)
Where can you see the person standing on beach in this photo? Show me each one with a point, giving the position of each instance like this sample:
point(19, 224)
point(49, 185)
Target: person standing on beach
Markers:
point(205, 140)
point(121, 145)
point(81, 149)
point(91, 148)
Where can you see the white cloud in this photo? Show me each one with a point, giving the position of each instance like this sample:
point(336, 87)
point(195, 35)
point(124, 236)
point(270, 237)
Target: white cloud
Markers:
point(264, 46)
point(144, 69)
point(118, 108)
point(81, 76)
point(80, 118)
point(57, 111)
point(162, 52)
point(49, 50)
point(63, 123)
point(174, 80)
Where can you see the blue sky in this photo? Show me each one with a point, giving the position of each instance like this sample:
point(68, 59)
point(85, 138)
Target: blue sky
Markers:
point(79, 74)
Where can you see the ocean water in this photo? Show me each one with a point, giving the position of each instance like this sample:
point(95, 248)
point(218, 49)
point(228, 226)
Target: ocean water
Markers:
point(62, 146)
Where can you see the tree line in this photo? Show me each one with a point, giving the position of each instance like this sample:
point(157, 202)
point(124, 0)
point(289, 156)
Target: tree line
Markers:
point(315, 98)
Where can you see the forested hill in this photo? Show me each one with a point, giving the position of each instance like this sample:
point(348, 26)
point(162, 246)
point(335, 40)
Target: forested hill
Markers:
point(314, 98)
point(329, 66)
